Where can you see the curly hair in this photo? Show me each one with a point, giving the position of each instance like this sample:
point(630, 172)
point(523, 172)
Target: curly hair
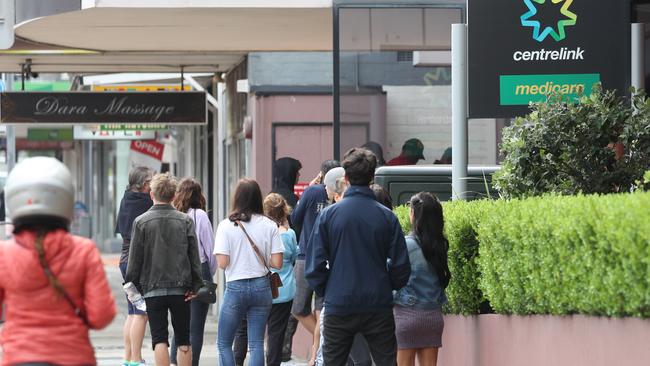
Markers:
point(276, 208)
point(189, 194)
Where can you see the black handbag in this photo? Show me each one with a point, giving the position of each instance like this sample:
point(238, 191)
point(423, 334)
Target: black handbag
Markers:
point(208, 292)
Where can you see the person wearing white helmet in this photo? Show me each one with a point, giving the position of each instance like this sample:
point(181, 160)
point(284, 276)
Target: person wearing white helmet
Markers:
point(52, 283)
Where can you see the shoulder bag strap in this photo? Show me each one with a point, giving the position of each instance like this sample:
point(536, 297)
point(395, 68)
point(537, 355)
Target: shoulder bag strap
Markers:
point(48, 274)
point(257, 251)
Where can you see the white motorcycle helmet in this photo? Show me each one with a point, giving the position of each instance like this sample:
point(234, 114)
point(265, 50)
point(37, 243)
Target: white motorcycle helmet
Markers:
point(39, 187)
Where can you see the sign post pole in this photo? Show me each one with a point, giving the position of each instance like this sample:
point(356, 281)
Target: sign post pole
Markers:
point(638, 55)
point(459, 110)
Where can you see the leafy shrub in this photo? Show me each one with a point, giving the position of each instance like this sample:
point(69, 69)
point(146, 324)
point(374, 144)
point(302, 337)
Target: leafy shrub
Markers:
point(461, 222)
point(563, 255)
point(462, 219)
point(599, 145)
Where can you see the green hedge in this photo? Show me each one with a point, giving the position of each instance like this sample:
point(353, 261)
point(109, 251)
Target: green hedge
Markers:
point(549, 255)
point(565, 255)
point(461, 221)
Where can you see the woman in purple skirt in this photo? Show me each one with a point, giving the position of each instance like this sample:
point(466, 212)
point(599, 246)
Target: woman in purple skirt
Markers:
point(418, 306)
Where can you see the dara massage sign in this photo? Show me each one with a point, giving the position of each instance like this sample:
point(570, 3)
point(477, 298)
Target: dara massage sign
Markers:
point(104, 107)
point(521, 50)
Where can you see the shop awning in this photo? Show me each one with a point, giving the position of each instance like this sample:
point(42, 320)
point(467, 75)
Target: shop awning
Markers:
point(161, 36)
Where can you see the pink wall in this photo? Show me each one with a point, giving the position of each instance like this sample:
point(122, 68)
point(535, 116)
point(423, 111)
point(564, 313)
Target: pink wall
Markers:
point(499, 340)
point(266, 110)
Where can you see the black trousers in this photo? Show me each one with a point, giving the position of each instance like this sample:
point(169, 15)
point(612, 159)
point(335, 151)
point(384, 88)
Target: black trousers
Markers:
point(198, 315)
point(377, 328)
point(157, 310)
point(240, 346)
point(276, 326)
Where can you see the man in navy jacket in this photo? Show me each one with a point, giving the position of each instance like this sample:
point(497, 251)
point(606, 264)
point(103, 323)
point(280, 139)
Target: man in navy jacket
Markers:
point(356, 257)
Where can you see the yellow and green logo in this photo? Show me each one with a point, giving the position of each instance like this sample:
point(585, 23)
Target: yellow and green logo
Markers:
point(557, 32)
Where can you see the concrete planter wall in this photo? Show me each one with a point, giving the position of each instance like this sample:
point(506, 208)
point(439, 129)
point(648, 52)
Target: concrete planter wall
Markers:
point(499, 340)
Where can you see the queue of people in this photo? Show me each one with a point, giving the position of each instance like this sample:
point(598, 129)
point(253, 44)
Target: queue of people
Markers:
point(350, 277)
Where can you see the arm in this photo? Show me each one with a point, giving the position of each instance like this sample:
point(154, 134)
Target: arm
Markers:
point(222, 248)
point(276, 260)
point(136, 255)
point(206, 239)
point(98, 301)
point(223, 260)
point(298, 213)
point(277, 249)
point(317, 257)
point(193, 254)
point(399, 270)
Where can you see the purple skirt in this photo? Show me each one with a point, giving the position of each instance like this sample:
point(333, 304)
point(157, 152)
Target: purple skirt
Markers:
point(416, 328)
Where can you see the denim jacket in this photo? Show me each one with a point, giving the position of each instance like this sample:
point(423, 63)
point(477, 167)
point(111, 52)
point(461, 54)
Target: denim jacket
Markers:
point(423, 290)
point(164, 251)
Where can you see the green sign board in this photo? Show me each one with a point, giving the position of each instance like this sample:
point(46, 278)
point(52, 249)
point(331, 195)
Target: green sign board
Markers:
point(523, 89)
point(50, 134)
point(132, 127)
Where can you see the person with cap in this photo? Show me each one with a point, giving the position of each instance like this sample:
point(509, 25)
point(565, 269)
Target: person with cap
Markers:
point(135, 202)
point(303, 217)
point(445, 158)
point(52, 283)
point(411, 153)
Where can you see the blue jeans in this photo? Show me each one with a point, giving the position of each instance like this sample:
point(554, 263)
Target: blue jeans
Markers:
point(250, 298)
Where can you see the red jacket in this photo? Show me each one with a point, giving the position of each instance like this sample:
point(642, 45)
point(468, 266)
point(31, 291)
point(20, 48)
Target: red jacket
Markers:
point(40, 325)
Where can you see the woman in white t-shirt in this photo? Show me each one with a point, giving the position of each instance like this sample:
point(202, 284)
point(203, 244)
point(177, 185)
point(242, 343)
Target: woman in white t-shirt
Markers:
point(248, 291)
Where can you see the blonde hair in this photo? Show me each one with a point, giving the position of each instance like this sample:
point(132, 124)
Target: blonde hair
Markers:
point(276, 208)
point(163, 186)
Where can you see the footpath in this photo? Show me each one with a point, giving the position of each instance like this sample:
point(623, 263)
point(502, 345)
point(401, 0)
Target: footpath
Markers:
point(109, 347)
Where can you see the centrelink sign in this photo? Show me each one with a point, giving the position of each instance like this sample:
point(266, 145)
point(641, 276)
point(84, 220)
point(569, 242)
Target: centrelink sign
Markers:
point(520, 51)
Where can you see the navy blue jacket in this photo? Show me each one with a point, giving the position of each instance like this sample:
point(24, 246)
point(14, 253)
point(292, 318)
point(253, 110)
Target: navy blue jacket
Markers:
point(303, 217)
point(363, 244)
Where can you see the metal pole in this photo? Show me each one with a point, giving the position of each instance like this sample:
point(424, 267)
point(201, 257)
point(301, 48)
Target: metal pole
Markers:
point(459, 110)
point(638, 55)
point(336, 93)
point(11, 131)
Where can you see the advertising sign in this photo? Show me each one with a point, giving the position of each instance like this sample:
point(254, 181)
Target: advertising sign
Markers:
point(519, 51)
point(146, 153)
point(180, 108)
point(96, 133)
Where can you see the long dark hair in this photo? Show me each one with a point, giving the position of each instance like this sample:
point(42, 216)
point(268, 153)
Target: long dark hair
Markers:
point(189, 195)
point(247, 201)
point(428, 228)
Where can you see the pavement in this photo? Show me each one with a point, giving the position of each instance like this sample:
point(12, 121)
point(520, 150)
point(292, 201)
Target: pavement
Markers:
point(109, 348)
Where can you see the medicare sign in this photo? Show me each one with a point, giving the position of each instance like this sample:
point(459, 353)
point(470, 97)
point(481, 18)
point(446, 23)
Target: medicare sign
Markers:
point(520, 51)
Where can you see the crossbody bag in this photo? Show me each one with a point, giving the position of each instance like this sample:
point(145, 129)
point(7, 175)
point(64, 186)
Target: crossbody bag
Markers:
point(208, 292)
point(274, 278)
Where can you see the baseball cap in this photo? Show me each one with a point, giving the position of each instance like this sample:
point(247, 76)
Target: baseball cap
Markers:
point(414, 148)
point(447, 153)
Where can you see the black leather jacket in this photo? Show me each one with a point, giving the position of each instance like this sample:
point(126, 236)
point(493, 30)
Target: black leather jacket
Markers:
point(164, 251)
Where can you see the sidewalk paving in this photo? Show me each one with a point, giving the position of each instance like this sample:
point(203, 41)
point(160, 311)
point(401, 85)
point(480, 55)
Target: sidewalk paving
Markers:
point(109, 348)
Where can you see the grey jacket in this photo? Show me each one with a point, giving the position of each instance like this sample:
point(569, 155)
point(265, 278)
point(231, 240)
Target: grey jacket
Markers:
point(164, 251)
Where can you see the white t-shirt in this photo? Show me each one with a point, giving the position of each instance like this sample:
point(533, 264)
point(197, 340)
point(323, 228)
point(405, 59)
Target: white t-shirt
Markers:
point(232, 241)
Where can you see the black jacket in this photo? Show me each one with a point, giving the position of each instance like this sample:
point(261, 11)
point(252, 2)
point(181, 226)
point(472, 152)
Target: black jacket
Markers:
point(164, 251)
point(356, 255)
point(285, 171)
point(133, 205)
